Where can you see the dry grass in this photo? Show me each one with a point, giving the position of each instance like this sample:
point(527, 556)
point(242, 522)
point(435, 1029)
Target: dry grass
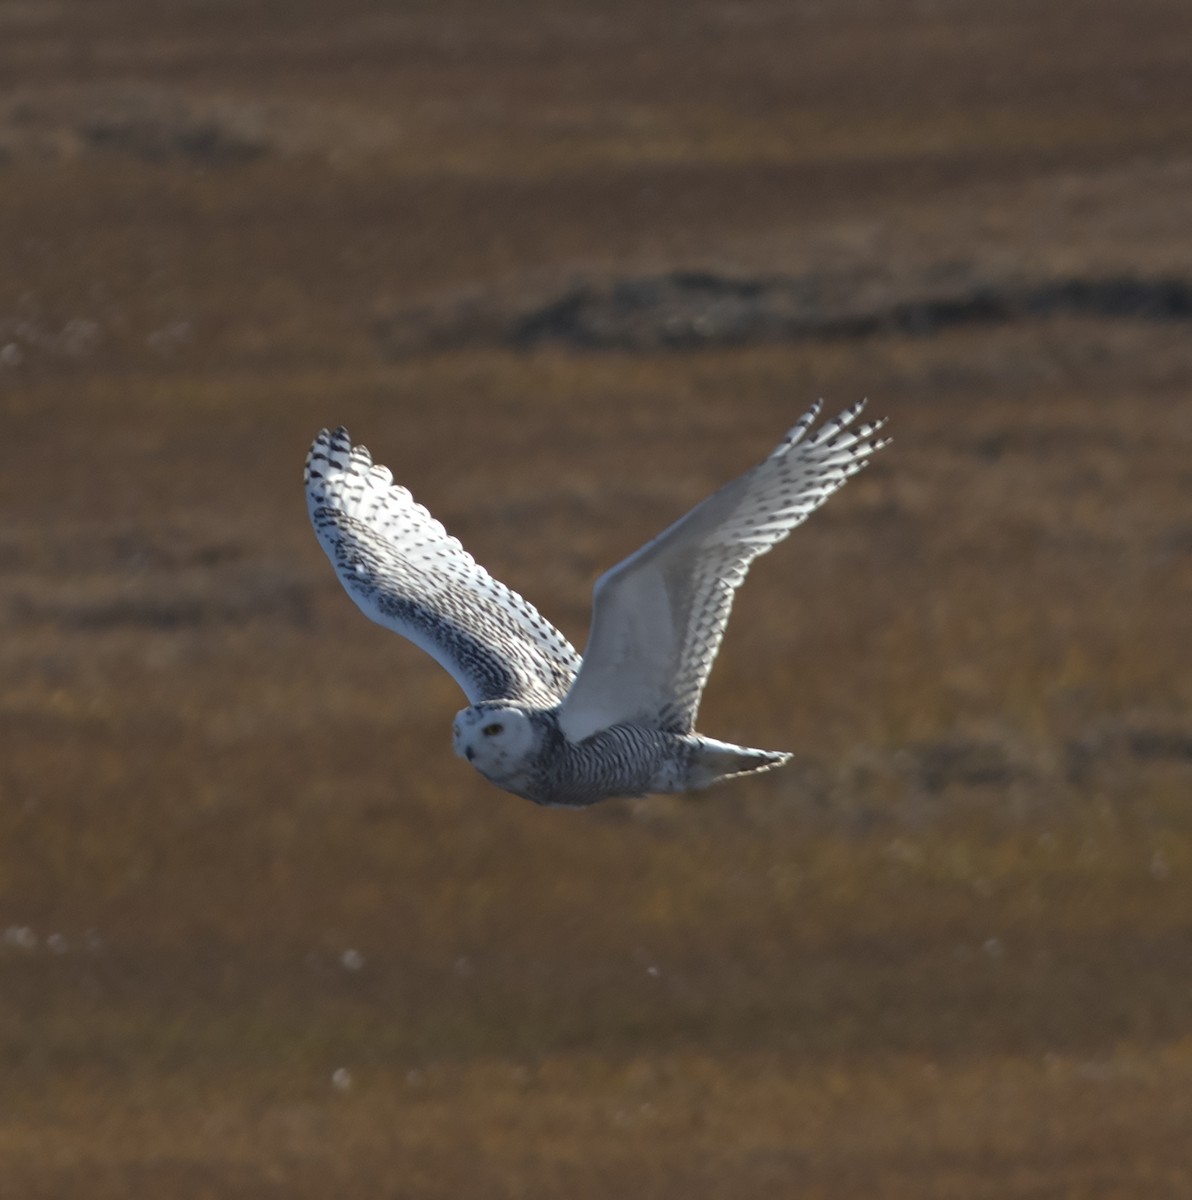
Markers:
point(943, 955)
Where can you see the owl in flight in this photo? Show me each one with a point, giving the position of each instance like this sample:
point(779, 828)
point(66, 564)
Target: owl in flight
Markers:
point(541, 722)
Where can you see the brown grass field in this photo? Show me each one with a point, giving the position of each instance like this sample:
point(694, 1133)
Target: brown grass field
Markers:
point(261, 935)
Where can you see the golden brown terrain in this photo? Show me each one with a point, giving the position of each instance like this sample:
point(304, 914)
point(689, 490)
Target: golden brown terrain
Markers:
point(261, 934)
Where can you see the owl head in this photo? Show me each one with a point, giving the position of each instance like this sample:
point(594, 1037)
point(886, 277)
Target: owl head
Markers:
point(498, 738)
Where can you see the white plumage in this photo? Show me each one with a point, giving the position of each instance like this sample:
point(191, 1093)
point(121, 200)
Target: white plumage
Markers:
point(541, 722)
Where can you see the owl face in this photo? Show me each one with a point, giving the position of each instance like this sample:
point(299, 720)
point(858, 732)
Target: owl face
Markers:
point(497, 739)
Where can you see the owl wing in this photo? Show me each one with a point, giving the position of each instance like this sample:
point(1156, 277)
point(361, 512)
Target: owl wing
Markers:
point(659, 616)
point(404, 571)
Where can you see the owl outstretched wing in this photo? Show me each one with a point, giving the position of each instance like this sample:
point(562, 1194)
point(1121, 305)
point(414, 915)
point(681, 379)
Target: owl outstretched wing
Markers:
point(659, 616)
point(405, 572)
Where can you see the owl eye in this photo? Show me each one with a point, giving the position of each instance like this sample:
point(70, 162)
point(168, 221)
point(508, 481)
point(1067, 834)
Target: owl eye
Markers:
point(493, 729)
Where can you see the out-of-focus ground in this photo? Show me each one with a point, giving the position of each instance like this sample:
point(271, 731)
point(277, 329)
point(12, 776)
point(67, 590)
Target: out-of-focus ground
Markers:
point(566, 268)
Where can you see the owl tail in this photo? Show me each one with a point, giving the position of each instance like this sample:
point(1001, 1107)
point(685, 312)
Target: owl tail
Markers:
point(714, 760)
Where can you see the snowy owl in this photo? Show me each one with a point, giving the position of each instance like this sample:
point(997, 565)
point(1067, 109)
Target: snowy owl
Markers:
point(541, 722)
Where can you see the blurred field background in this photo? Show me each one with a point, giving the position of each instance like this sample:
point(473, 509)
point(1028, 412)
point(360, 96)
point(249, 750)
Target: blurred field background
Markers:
point(261, 934)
